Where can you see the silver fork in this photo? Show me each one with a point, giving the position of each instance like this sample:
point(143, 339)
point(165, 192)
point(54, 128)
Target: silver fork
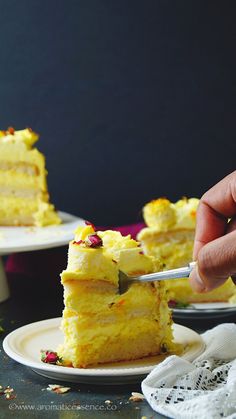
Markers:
point(125, 280)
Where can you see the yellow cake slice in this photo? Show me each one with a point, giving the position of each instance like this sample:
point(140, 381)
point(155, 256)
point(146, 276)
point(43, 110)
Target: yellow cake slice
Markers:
point(24, 198)
point(99, 324)
point(169, 236)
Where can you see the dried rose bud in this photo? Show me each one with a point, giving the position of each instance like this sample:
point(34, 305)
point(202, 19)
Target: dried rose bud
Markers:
point(11, 130)
point(49, 357)
point(10, 396)
point(94, 241)
point(172, 303)
point(90, 224)
point(78, 242)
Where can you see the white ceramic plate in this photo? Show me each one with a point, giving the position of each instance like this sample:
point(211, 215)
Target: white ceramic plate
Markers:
point(205, 310)
point(24, 345)
point(21, 239)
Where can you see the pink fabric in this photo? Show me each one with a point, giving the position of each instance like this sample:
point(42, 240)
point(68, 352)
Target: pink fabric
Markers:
point(51, 262)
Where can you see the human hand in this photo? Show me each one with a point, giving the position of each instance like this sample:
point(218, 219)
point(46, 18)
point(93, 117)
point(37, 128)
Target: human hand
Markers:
point(215, 238)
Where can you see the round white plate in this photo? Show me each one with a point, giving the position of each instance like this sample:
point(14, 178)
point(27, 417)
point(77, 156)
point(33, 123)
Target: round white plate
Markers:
point(22, 239)
point(24, 345)
point(205, 310)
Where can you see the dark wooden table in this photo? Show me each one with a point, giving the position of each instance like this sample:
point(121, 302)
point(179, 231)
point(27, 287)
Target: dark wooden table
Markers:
point(33, 299)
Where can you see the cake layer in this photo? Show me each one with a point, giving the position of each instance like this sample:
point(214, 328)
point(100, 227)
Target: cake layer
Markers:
point(98, 296)
point(20, 154)
point(13, 192)
point(22, 211)
point(16, 205)
point(104, 349)
point(173, 248)
point(93, 263)
point(87, 323)
point(14, 180)
point(124, 339)
point(19, 167)
point(180, 291)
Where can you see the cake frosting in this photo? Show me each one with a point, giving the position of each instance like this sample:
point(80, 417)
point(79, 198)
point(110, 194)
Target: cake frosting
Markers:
point(163, 215)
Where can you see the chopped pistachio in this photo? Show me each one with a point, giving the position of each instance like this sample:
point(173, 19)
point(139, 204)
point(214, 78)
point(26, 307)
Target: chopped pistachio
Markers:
point(136, 397)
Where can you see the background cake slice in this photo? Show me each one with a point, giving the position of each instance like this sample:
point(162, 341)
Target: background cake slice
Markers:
point(169, 236)
point(24, 198)
point(99, 325)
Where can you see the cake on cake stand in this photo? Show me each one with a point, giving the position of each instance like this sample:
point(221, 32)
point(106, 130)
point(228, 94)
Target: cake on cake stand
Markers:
point(23, 239)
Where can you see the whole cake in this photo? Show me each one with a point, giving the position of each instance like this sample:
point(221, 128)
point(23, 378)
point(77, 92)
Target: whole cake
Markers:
point(24, 198)
point(99, 324)
point(169, 236)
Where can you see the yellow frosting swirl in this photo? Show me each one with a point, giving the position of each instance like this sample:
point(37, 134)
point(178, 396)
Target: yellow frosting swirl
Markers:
point(25, 136)
point(164, 215)
point(114, 253)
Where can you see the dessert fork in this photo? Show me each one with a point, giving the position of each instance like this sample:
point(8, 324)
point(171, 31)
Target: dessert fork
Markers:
point(125, 281)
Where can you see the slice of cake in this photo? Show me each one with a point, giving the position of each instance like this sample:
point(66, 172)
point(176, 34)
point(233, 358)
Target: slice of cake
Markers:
point(99, 324)
point(169, 236)
point(24, 198)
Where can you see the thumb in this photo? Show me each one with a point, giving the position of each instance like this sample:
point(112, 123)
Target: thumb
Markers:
point(216, 261)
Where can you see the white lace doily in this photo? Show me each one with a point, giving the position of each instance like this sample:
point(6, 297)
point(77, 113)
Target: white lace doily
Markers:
point(203, 389)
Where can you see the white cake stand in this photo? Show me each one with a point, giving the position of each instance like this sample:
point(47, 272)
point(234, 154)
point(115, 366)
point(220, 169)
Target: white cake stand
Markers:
point(23, 239)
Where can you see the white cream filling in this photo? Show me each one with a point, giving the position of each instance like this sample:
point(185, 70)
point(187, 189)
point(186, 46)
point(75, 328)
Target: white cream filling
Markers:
point(8, 191)
point(89, 285)
point(19, 167)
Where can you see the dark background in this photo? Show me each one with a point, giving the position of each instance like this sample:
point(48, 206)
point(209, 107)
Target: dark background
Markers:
point(133, 99)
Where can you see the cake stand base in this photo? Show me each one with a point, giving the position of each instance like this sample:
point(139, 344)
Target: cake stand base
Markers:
point(4, 288)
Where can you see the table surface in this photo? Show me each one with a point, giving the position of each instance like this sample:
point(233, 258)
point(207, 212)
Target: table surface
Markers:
point(34, 299)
